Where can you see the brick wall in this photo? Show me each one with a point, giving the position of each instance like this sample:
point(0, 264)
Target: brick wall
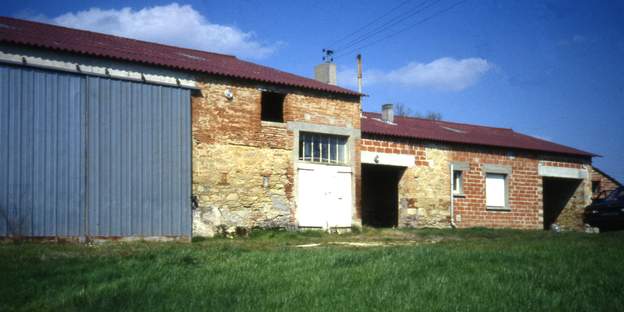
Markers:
point(424, 189)
point(604, 183)
point(243, 168)
point(525, 187)
point(382, 144)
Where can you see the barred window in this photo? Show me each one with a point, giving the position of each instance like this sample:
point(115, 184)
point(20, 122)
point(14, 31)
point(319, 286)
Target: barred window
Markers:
point(323, 148)
point(458, 182)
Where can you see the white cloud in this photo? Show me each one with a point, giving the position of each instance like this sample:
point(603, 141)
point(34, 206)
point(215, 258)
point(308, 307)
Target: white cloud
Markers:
point(575, 39)
point(444, 74)
point(579, 38)
point(172, 24)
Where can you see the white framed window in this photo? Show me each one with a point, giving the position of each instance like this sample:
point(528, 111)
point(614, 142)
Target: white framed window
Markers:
point(458, 182)
point(496, 191)
point(323, 148)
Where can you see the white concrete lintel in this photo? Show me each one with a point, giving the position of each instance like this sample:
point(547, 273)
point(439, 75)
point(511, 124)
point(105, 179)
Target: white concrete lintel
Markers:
point(560, 172)
point(316, 166)
point(388, 159)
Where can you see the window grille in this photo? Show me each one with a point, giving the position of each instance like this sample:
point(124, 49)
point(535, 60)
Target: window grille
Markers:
point(323, 148)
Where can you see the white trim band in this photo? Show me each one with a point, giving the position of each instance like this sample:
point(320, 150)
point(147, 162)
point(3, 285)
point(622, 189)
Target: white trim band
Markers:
point(560, 172)
point(388, 159)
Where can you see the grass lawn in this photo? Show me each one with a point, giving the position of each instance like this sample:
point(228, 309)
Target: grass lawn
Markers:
point(466, 270)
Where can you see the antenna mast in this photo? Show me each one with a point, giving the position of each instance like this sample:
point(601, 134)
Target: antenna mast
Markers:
point(359, 72)
point(328, 56)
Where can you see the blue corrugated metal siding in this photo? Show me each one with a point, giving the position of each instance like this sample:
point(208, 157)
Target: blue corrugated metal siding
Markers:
point(85, 155)
point(41, 168)
point(138, 159)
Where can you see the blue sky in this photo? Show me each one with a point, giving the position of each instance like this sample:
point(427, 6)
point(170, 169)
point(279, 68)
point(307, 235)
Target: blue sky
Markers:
point(551, 69)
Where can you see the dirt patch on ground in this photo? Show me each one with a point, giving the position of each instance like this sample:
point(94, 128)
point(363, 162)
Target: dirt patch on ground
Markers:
point(372, 244)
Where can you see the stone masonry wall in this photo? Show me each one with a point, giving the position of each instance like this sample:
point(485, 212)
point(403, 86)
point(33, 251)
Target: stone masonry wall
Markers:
point(424, 189)
point(243, 168)
point(571, 217)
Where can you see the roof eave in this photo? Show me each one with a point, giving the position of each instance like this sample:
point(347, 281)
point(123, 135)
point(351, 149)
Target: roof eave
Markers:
point(184, 68)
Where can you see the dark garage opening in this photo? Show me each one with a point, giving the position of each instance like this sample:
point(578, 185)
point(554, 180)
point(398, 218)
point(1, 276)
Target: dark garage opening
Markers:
point(380, 195)
point(557, 192)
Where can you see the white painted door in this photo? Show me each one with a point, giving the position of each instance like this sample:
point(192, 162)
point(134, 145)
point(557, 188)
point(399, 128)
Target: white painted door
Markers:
point(309, 198)
point(324, 196)
point(339, 199)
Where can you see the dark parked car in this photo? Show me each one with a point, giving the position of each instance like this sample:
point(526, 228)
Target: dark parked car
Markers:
point(607, 213)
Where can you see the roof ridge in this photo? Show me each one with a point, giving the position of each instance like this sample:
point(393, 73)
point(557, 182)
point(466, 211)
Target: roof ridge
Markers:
point(115, 36)
point(547, 141)
point(446, 122)
point(287, 73)
point(606, 175)
point(482, 135)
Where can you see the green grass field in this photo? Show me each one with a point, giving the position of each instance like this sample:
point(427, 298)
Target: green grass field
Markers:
point(462, 270)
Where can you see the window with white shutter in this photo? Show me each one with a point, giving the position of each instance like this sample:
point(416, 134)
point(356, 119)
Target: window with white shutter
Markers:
point(496, 191)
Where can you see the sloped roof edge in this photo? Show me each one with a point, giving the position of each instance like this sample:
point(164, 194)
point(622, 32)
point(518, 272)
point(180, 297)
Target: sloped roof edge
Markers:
point(40, 35)
point(461, 133)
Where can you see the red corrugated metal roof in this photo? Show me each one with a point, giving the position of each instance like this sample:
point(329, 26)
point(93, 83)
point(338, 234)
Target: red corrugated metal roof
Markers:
point(100, 45)
point(443, 131)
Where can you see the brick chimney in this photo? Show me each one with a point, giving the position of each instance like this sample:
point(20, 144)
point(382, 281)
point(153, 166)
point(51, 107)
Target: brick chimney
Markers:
point(387, 113)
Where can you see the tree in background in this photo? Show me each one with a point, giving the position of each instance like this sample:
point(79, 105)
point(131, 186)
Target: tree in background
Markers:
point(403, 110)
point(433, 115)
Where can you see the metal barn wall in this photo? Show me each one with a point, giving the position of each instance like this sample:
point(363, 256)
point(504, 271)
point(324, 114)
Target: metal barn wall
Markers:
point(92, 156)
point(41, 164)
point(139, 175)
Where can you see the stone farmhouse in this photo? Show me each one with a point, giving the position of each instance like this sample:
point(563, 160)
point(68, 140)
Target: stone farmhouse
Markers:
point(108, 137)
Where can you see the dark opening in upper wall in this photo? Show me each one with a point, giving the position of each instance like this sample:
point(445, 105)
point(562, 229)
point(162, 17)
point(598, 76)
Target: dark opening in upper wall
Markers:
point(272, 106)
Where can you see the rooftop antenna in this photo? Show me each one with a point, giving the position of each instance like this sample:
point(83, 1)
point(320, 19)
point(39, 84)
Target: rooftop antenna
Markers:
point(328, 55)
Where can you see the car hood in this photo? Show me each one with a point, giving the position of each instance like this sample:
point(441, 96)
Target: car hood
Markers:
point(604, 204)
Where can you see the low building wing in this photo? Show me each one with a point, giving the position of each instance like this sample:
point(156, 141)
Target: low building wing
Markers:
point(443, 131)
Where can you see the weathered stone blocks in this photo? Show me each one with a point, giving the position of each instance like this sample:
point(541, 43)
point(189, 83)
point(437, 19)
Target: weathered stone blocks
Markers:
point(243, 167)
